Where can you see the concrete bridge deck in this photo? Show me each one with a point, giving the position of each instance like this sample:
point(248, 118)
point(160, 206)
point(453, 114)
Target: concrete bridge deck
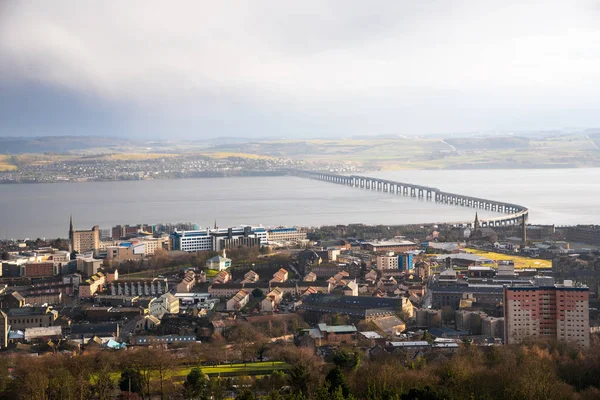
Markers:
point(514, 213)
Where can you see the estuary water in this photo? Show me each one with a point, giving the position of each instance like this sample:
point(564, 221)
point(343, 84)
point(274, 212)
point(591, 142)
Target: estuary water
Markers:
point(554, 196)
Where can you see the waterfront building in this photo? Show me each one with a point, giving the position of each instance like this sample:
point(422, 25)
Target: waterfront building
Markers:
point(559, 312)
point(219, 239)
point(84, 240)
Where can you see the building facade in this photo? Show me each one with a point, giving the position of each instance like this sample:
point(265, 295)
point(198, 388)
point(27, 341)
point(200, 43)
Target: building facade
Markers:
point(387, 261)
point(283, 235)
point(84, 240)
point(165, 304)
point(219, 239)
point(560, 312)
point(139, 287)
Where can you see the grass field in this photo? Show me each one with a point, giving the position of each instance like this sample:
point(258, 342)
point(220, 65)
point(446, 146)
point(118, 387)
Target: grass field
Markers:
point(149, 273)
point(5, 164)
point(257, 368)
point(211, 273)
point(250, 369)
point(520, 262)
point(227, 154)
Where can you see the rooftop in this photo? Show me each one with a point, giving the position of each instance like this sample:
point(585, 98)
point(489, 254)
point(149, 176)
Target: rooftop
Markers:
point(391, 243)
point(371, 335)
point(337, 328)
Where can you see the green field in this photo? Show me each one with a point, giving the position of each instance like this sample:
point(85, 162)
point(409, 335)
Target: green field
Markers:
point(257, 368)
point(211, 273)
point(249, 369)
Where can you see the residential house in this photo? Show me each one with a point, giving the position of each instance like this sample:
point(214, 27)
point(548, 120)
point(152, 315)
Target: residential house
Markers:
point(222, 277)
point(310, 277)
point(188, 282)
point(269, 304)
point(279, 276)
point(218, 262)
point(250, 277)
point(238, 301)
point(371, 277)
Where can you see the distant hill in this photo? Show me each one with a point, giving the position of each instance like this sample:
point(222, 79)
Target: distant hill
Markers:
point(489, 143)
point(59, 144)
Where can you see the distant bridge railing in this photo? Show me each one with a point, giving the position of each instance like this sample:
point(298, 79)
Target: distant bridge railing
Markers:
point(514, 213)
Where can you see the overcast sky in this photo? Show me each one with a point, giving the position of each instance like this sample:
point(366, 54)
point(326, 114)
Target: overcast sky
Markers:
point(196, 69)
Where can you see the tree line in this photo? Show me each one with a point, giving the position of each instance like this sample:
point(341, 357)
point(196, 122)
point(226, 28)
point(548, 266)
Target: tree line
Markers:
point(541, 370)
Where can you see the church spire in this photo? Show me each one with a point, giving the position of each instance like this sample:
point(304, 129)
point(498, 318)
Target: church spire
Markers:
point(71, 232)
point(476, 224)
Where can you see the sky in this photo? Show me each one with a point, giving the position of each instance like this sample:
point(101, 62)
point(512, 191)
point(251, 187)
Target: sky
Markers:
point(315, 68)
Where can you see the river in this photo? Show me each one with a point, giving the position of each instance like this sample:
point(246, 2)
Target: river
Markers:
point(559, 196)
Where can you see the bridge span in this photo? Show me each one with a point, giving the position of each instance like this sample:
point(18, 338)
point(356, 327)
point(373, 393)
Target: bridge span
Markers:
point(514, 213)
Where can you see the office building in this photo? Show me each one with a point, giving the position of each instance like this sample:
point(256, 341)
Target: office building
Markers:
point(559, 312)
point(282, 235)
point(84, 240)
point(219, 239)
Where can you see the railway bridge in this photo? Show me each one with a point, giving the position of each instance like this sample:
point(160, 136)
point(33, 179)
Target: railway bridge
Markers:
point(514, 213)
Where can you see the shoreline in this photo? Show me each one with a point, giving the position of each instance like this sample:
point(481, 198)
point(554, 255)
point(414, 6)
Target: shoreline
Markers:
point(251, 174)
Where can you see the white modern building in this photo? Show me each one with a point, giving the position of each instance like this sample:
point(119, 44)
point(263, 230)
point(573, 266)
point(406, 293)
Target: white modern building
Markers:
point(219, 239)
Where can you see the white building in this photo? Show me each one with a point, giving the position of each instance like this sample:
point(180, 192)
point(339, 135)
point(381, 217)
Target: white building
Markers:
point(219, 239)
point(165, 304)
point(218, 263)
point(387, 261)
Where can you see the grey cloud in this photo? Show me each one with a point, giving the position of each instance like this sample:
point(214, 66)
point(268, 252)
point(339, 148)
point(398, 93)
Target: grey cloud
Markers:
point(200, 68)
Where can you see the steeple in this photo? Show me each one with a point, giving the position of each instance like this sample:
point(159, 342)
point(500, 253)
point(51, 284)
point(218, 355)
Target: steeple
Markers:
point(71, 230)
point(476, 224)
point(215, 224)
